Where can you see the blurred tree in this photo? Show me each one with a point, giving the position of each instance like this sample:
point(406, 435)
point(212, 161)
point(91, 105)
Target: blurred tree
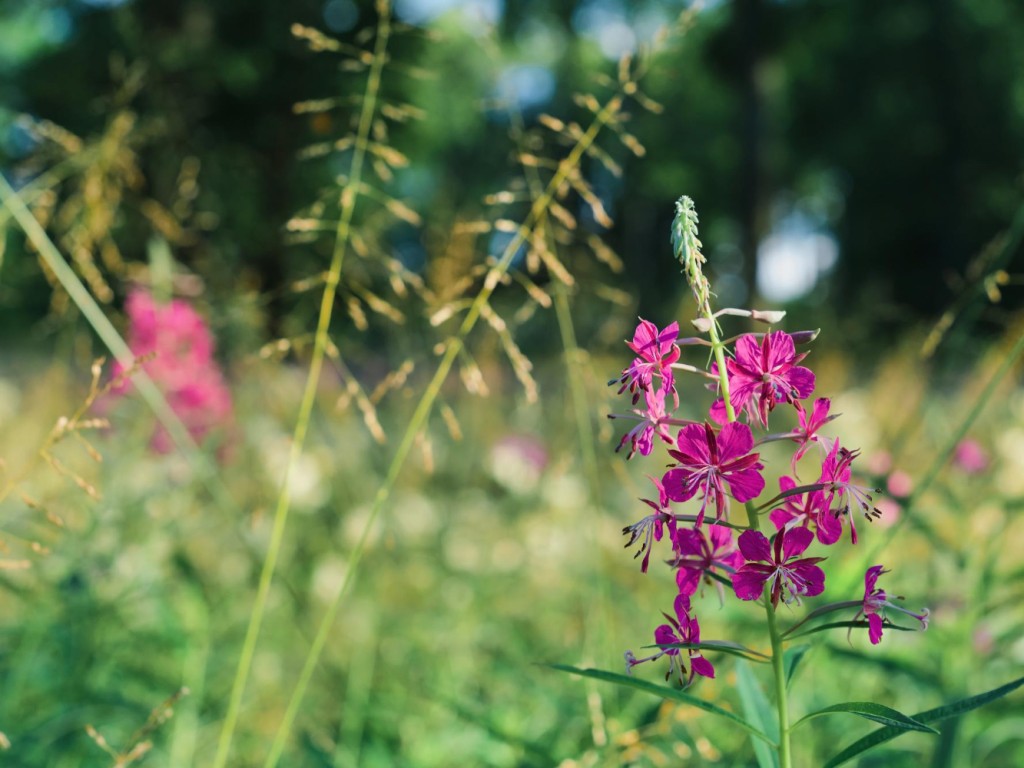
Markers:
point(895, 127)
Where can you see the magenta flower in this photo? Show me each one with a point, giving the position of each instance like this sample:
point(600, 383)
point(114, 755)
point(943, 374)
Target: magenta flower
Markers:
point(841, 495)
point(763, 375)
point(650, 528)
point(807, 432)
point(182, 364)
point(805, 510)
point(656, 352)
point(698, 555)
point(876, 601)
point(653, 420)
point(709, 461)
point(681, 629)
point(779, 565)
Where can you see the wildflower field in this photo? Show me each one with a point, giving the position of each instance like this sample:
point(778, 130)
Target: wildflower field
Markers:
point(503, 384)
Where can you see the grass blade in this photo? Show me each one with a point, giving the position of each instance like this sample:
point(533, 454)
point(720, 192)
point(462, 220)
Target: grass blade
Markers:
point(665, 693)
point(879, 713)
point(760, 712)
point(723, 646)
point(945, 712)
point(793, 657)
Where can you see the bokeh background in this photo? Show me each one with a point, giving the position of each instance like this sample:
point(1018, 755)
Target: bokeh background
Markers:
point(856, 164)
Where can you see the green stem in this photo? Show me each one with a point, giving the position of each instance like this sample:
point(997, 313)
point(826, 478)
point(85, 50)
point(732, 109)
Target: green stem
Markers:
point(348, 204)
point(779, 670)
point(690, 257)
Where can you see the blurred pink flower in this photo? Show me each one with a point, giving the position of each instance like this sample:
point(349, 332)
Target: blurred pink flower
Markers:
point(182, 364)
point(969, 457)
point(900, 484)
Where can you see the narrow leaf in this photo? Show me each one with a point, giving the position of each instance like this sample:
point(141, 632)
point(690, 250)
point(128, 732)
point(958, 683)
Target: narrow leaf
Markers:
point(862, 623)
point(883, 735)
point(823, 610)
point(877, 712)
point(759, 712)
point(665, 693)
point(792, 658)
point(720, 645)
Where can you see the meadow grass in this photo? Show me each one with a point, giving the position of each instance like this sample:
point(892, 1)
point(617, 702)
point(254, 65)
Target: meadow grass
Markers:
point(315, 597)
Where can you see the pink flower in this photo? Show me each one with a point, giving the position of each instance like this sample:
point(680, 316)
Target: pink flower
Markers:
point(656, 352)
point(182, 364)
point(841, 495)
point(681, 629)
point(697, 555)
point(763, 375)
point(969, 457)
point(876, 601)
point(650, 528)
point(709, 461)
point(807, 432)
point(650, 422)
point(805, 510)
point(778, 565)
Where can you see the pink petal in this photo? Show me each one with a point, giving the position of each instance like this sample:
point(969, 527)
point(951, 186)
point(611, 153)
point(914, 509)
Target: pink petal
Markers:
point(801, 379)
point(718, 413)
point(644, 337)
point(669, 333)
point(830, 527)
point(701, 666)
point(781, 350)
point(664, 635)
point(720, 537)
point(755, 547)
point(690, 542)
point(819, 414)
point(687, 580)
point(780, 517)
point(795, 542)
point(681, 605)
point(676, 486)
point(748, 584)
point(745, 485)
point(812, 575)
point(734, 440)
point(693, 441)
point(871, 578)
point(748, 352)
point(875, 628)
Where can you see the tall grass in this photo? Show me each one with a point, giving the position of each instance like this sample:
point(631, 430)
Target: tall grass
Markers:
point(540, 211)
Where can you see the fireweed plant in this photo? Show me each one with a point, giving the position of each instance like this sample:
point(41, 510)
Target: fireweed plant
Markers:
point(707, 515)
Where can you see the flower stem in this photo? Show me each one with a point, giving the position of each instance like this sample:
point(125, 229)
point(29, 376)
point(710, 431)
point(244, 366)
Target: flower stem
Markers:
point(778, 667)
point(687, 249)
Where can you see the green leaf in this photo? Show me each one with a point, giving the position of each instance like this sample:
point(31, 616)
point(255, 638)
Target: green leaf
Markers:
point(792, 658)
point(724, 646)
point(759, 712)
point(665, 693)
point(877, 712)
point(862, 623)
point(931, 716)
point(823, 610)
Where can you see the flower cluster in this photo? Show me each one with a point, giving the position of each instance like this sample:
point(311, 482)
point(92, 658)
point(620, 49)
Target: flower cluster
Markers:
point(178, 349)
point(714, 463)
